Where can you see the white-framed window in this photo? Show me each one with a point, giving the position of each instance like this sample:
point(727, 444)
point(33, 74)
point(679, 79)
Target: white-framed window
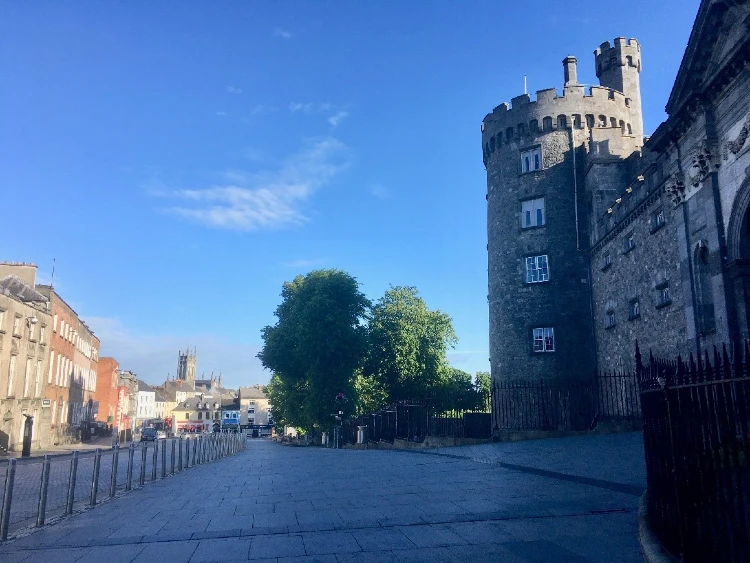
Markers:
point(11, 374)
point(657, 220)
point(16, 326)
point(607, 262)
point(31, 330)
point(54, 324)
point(27, 377)
point(532, 213)
point(531, 160)
point(537, 269)
point(544, 339)
point(663, 295)
point(634, 309)
point(51, 365)
point(2, 320)
point(43, 334)
point(628, 243)
point(38, 377)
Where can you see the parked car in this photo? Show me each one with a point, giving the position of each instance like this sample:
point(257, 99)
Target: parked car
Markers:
point(149, 435)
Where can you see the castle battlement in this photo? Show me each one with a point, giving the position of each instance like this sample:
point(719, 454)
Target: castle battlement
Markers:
point(625, 52)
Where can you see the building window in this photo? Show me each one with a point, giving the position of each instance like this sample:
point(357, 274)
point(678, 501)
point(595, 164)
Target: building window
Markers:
point(544, 339)
point(663, 296)
point(16, 326)
point(589, 121)
point(610, 320)
point(27, 377)
point(547, 124)
point(657, 220)
point(11, 374)
point(537, 269)
point(562, 122)
point(54, 323)
point(628, 243)
point(2, 320)
point(38, 377)
point(607, 261)
point(532, 213)
point(634, 309)
point(43, 334)
point(531, 160)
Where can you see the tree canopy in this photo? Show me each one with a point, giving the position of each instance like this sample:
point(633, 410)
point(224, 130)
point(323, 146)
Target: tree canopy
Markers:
point(407, 345)
point(315, 347)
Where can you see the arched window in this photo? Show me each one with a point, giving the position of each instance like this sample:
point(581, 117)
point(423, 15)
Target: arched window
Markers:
point(547, 124)
point(521, 128)
point(509, 133)
point(492, 144)
point(602, 121)
point(533, 126)
point(562, 122)
point(703, 291)
point(630, 130)
point(622, 126)
point(577, 121)
point(589, 121)
point(612, 122)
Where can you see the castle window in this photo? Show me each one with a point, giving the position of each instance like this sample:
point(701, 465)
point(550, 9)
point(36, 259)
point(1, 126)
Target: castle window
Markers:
point(622, 126)
point(562, 122)
point(532, 213)
point(606, 262)
point(630, 129)
point(577, 121)
point(531, 160)
point(610, 320)
point(657, 220)
point(612, 122)
point(547, 124)
point(589, 121)
point(544, 339)
point(628, 243)
point(634, 309)
point(663, 295)
point(602, 121)
point(521, 128)
point(533, 126)
point(509, 134)
point(537, 270)
point(492, 144)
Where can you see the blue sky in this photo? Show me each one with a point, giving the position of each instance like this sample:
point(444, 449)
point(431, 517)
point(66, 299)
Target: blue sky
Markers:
point(180, 161)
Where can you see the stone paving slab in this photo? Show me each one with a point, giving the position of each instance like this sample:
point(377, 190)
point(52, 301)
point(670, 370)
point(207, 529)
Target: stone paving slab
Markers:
point(494, 502)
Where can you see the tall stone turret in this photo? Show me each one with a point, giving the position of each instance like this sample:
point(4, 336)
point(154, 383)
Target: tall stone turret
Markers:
point(619, 67)
point(537, 155)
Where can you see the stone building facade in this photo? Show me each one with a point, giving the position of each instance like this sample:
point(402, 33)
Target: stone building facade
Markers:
point(25, 321)
point(597, 235)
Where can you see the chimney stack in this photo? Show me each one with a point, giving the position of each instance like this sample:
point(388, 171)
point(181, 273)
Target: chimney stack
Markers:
point(571, 73)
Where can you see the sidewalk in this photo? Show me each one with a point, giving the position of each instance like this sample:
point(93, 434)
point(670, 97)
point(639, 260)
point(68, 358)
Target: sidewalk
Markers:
point(104, 442)
point(313, 505)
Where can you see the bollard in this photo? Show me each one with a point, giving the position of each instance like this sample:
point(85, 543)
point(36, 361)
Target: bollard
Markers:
point(154, 460)
point(142, 480)
point(187, 453)
point(72, 484)
point(43, 486)
point(179, 464)
point(10, 475)
point(173, 456)
point(163, 459)
point(113, 475)
point(95, 476)
point(129, 477)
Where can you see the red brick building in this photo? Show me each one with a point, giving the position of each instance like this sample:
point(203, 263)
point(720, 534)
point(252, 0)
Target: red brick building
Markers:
point(106, 392)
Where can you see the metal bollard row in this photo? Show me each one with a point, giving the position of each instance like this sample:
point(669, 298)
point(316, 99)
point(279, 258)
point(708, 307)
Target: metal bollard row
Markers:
point(185, 453)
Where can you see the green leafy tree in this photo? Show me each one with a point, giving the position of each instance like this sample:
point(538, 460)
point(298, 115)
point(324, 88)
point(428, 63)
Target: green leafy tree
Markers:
point(315, 347)
point(483, 381)
point(408, 345)
point(371, 394)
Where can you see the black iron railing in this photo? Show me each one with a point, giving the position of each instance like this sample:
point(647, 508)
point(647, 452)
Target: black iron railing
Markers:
point(697, 446)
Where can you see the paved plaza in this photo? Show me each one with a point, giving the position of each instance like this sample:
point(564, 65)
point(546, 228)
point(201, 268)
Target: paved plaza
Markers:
point(568, 500)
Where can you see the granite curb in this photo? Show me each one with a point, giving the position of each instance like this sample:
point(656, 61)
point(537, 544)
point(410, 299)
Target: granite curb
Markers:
point(651, 547)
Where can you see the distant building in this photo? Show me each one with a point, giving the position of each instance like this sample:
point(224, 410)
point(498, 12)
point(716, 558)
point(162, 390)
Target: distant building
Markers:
point(186, 365)
point(107, 387)
point(25, 323)
point(146, 407)
point(255, 408)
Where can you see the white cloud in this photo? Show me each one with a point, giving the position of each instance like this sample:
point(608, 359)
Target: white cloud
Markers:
point(221, 114)
point(311, 107)
point(269, 200)
point(234, 90)
point(379, 190)
point(283, 33)
point(337, 118)
point(153, 356)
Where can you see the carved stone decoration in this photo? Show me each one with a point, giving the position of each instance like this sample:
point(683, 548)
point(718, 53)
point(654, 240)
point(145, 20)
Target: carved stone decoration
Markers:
point(736, 146)
point(675, 186)
point(700, 165)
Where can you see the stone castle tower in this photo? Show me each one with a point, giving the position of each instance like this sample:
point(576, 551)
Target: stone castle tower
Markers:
point(551, 163)
point(186, 365)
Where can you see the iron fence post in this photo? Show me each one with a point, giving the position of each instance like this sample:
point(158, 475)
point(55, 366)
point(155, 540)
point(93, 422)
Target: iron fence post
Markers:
point(43, 486)
point(171, 461)
point(129, 478)
point(142, 480)
point(179, 463)
point(113, 475)
point(10, 475)
point(163, 459)
point(95, 476)
point(154, 460)
point(72, 483)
